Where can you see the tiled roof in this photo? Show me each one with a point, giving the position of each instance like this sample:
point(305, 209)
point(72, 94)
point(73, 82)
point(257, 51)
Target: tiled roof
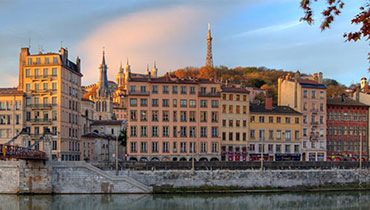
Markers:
point(260, 108)
point(96, 135)
point(107, 122)
point(234, 90)
point(10, 91)
point(345, 101)
point(311, 84)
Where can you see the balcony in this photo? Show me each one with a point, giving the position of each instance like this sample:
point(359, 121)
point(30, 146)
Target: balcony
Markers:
point(41, 121)
point(42, 77)
point(136, 93)
point(40, 106)
point(209, 94)
point(315, 124)
point(43, 91)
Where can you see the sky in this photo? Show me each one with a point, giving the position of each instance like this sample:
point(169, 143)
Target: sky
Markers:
point(173, 33)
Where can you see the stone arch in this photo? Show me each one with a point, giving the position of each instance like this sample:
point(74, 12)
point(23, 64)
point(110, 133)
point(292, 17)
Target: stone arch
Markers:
point(143, 159)
point(203, 159)
point(133, 158)
point(174, 159)
point(215, 159)
point(154, 159)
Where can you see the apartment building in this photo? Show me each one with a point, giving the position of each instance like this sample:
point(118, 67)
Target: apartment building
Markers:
point(275, 130)
point(348, 129)
point(12, 113)
point(173, 119)
point(234, 127)
point(307, 95)
point(52, 83)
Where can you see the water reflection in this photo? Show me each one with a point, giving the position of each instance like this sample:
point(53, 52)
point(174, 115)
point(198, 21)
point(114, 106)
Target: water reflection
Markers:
point(286, 201)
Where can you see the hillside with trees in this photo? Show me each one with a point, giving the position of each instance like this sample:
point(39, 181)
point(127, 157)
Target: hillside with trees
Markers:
point(259, 77)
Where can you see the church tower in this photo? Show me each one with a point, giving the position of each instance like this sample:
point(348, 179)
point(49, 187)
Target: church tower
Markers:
point(103, 100)
point(209, 59)
point(147, 72)
point(127, 71)
point(155, 71)
point(120, 77)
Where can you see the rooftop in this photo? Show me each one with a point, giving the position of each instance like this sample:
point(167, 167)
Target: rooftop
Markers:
point(260, 108)
point(343, 101)
point(107, 122)
point(311, 84)
point(174, 80)
point(10, 91)
point(234, 90)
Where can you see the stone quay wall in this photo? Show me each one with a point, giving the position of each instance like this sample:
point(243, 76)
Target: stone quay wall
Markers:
point(252, 178)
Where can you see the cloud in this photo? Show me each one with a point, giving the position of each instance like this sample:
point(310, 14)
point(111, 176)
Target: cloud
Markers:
point(169, 36)
point(269, 29)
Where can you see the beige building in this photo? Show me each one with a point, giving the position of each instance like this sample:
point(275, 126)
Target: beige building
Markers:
point(52, 84)
point(234, 127)
point(307, 95)
point(12, 114)
point(87, 114)
point(173, 119)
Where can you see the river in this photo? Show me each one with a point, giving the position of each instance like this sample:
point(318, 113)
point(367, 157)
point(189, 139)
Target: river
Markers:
point(257, 201)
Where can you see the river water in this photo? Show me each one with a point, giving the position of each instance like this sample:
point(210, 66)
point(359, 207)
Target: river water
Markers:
point(257, 201)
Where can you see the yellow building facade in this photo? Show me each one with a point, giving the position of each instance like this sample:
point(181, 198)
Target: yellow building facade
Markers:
point(51, 83)
point(277, 130)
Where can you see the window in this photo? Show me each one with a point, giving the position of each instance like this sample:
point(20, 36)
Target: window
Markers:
point(183, 131)
point(321, 107)
point(244, 136)
point(203, 147)
point(143, 147)
point(183, 147)
point(214, 104)
point(154, 147)
point(165, 147)
point(155, 131)
point(305, 94)
point(231, 123)
point(165, 89)
point(214, 132)
point(37, 86)
point(154, 89)
point(231, 136)
point(214, 116)
point(230, 97)
point(54, 71)
point(203, 131)
point(271, 134)
point(192, 147)
point(296, 134)
point(203, 116)
point(237, 109)
point(28, 72)
point(143, 116)
point(203, 103)
point(192, 90)
point(237, 136)
point(288, 135)
point(183, 89)
point(313, 94)
point(261, 119)
point(214, 147)
point(165, 116)
point(174, 102)
point(165, 103)
point(252, 134)
point(45, 72)
point(174, 131)
point(271, 119)
point(29, 61)
point(192, 103)
point(244, 123)
point(297, 120)
point(28, 87)
point(174, 116)
point(304, 131)
point(192, 131)
point(321, 119)
point(287, 148)
point(287, 120)
point(133, 147)
point(133, 115)
point(38, 61)
point(305, 106)
point(223, 108)
point(223, 136)
point(54, 86)
point(143, 102)
point(244, 109)
point(278, 134)
point(237, 123)
point(261, 134)
point(278, 119)
point(174, 89)
point(154, 102)
point(174, 147)
point(231, 108)
point(155, 116)
point(203, 89)
point(183, 116)
point(133, 102)
point(238, 97)
point(223, 96)
point(143, 131)
point(183, 103)
point(143, 89)
point(192, 116)
point(133, 131)
point(132, 88)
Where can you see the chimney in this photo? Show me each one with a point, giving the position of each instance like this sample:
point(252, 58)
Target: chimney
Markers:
point(268, 100)
point(64, 54)
point(320, 77)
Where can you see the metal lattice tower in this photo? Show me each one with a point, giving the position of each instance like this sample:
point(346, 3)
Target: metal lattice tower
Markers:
point(209, 59)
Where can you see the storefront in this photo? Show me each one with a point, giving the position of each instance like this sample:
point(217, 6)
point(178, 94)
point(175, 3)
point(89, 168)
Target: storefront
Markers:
point(288, 157)
point(257, 157)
